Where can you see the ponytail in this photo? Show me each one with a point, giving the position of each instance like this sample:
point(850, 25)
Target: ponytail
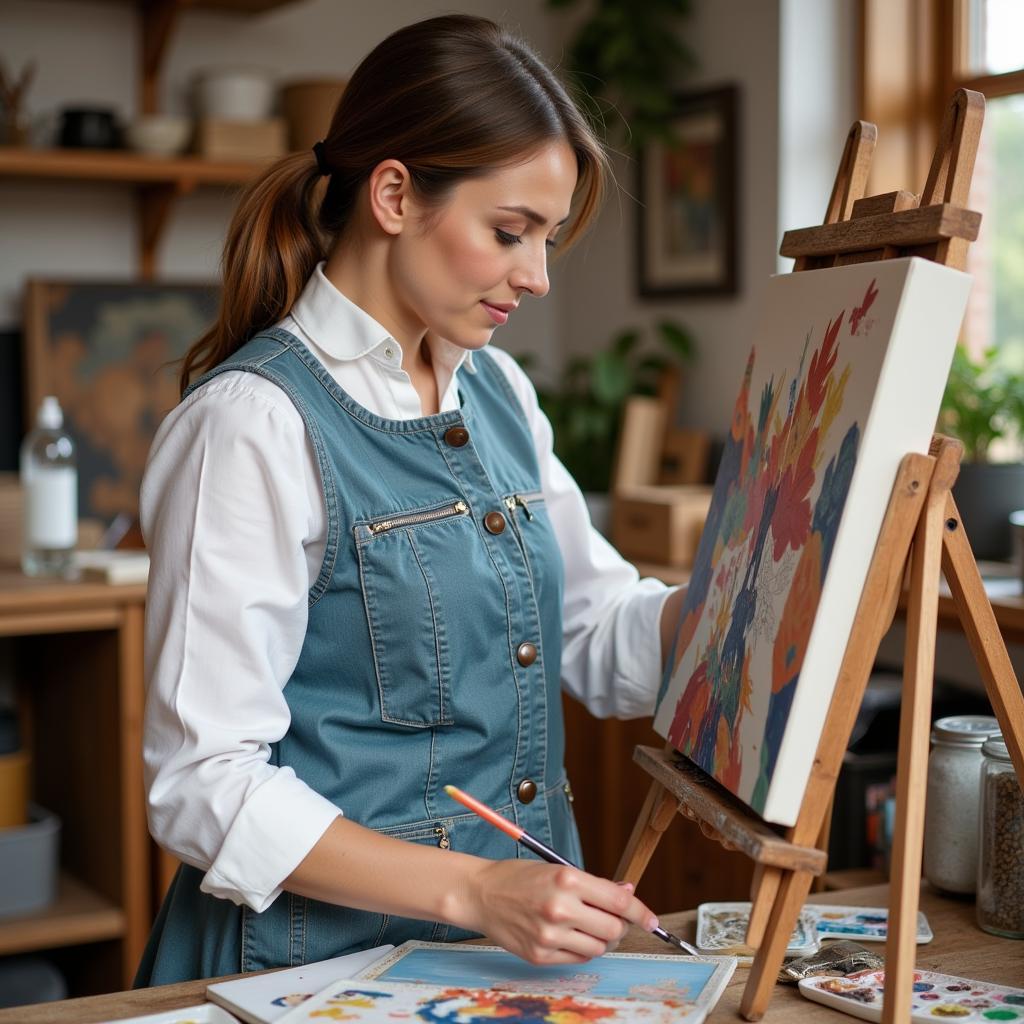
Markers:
point(272, 247)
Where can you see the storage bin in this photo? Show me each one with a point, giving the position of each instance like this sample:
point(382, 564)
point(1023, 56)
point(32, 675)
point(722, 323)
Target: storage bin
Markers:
point(28, 863)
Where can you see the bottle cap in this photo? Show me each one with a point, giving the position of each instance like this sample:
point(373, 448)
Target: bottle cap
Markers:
point(50, 414)
point(995, 747)
point(966, 730)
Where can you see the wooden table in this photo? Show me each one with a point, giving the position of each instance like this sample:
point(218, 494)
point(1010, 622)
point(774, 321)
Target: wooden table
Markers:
point(959, 947)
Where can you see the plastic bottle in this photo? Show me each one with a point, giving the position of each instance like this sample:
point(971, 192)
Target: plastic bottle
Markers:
point(50, 482)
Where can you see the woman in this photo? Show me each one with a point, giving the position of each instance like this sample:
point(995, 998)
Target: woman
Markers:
point(370, 575)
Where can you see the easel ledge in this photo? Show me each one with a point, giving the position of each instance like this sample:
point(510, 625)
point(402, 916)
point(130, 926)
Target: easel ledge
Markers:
point(922, 531)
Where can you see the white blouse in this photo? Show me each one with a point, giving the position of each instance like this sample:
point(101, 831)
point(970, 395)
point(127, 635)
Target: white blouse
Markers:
point(226, 609)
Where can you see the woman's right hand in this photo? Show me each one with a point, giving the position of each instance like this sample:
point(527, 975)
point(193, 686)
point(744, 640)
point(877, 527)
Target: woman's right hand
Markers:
point(548, 913)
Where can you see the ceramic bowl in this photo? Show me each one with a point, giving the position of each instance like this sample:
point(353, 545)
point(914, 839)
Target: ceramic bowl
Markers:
point(235, 95)
point(159, 134)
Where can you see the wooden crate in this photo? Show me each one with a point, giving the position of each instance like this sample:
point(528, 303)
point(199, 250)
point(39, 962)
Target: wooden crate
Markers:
point(660, 524)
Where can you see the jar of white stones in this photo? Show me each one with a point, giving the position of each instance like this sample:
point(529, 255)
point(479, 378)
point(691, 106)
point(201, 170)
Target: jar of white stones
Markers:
point(951, 811)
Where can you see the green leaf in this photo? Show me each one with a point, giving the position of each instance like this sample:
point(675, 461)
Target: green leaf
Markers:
point(677, 339)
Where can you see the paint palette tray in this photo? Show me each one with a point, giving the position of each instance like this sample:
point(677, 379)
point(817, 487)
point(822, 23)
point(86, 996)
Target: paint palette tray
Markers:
point(936, 997)
point(722, 931)
point(864, 924)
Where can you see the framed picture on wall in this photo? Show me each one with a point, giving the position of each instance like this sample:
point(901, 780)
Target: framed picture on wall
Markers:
point(686, 226)
point(109, 351)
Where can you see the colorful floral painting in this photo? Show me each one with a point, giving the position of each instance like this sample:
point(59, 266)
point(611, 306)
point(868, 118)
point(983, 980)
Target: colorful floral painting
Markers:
point(383, 1001)
point(758, 643)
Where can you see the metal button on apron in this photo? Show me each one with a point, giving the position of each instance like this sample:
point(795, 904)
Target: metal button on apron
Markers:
point(456, 437)
point(526, 654)
point(526, 791)
point(494, 522)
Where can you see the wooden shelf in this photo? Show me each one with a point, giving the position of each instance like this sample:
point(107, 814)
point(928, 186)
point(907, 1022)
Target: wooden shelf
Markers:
point(77, 916)
point(184, 172)
point(236, 6)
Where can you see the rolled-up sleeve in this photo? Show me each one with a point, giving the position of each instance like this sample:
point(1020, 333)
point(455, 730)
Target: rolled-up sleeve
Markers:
point(226, 512)
point(611, 656)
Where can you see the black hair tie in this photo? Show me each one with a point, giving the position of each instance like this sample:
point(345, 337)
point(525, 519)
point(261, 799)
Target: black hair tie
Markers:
point(321, 158)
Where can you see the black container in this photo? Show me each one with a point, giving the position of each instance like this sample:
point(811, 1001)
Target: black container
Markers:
point(89, 128)
point(986, 493)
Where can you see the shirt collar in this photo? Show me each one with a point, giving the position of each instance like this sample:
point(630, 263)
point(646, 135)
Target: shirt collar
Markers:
point(347, 332)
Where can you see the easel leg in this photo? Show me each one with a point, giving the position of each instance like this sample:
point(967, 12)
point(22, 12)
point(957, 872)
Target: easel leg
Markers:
point(764, 972)
point(764, 887)
point(659, 809)
point(982, 630)
point(912, 768)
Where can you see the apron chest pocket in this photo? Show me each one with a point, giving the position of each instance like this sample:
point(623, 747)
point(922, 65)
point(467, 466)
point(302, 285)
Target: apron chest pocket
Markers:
point(399, 556)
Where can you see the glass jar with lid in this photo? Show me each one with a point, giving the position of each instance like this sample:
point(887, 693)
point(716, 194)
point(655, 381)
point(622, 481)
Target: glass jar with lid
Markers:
point(1000, 905)
point(951, 810)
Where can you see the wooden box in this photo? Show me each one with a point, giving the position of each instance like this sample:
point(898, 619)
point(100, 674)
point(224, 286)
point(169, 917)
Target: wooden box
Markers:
point(660, 524)
point(217, 139)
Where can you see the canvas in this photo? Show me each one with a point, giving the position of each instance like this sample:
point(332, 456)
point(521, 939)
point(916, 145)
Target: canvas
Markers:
point(109, 351)
point(844, 377)
point(681, 981)
point(384, 1002)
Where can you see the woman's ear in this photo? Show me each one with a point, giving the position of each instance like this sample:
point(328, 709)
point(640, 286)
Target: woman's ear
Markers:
point(389, 192)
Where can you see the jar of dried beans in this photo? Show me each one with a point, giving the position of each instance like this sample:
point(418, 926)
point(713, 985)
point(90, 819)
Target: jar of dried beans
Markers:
point(1000, 844)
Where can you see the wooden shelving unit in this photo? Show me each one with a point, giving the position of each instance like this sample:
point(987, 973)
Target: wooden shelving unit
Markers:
point(159, 183)
point(79, 915)
point(77, 659)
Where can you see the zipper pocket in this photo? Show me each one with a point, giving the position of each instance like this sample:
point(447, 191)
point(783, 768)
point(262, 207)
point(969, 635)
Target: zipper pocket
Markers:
point(458, 508)
point(442, 837)
point(523, 501)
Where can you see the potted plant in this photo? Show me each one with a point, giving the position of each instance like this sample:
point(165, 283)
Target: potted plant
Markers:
point(983, 406)
point(585, 407)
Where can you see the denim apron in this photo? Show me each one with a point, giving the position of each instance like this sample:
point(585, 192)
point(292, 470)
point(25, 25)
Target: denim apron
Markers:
point(431, 657)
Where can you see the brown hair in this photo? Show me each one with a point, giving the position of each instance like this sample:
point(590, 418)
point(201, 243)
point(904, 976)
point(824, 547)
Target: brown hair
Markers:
point(452, 97)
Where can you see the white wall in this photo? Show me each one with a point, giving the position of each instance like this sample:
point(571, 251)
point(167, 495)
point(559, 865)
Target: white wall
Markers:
point(735, 41)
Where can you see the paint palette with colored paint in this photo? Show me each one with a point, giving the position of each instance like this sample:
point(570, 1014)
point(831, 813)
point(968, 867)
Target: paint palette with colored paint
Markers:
point(936, 997)
point(722, 931)
point(865, 924)
point(374, 1001)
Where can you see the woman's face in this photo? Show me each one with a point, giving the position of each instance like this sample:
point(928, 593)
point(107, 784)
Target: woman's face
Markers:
point(463, 268)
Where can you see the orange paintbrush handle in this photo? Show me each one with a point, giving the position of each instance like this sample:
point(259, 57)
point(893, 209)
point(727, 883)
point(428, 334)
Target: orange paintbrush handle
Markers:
point(506, 826)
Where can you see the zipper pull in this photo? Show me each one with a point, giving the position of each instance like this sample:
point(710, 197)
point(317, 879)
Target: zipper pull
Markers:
point(520, 500)
point(442, 837)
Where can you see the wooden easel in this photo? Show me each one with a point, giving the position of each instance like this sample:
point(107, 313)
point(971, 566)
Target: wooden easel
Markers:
point(921, 533)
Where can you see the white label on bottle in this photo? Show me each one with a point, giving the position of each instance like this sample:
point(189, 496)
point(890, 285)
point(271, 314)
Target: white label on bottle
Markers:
point(51, 508)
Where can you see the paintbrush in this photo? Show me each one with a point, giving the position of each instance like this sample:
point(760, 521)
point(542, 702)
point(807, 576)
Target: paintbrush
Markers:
point(520, 835)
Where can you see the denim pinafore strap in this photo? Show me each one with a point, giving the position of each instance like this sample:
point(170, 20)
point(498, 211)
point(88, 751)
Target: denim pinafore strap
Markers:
point(432, 657)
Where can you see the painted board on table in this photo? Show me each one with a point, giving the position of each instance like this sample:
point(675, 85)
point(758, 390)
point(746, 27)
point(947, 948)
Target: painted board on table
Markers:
point(264, 998)
point(385, 1002)
point(679, 979)
point(935, 997)
point(844, 377)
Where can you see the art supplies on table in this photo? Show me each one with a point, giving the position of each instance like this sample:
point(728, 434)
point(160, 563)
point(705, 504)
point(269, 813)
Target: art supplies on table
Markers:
point(205, 1013)
point(835, 960)
point(936, 997)
point(868, 924)
point(722, 931)
point(264, 998)
point(673, 980)
point(384, 1002)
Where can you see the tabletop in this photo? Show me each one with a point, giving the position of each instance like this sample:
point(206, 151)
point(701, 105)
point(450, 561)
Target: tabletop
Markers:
point(959, 947)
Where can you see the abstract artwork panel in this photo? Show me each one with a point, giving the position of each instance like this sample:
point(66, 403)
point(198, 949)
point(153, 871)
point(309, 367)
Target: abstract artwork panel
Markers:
point(844, 377)
point(378, 1002)
point(676, 980)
